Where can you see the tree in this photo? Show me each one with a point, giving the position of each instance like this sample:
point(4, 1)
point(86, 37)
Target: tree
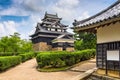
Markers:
point(4, 43)
point(26, 46)
point(85, 40)
point(15, 44)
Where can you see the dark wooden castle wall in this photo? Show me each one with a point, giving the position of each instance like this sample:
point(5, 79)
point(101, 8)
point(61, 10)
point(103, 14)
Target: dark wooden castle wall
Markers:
point(42, 39)
point(101, 55)
point(60, 44)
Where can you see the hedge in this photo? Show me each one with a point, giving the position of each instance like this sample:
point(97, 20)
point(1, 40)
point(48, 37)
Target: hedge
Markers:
point(9, 61)
point(9, 53)
point(63, 58)
point(27, 56)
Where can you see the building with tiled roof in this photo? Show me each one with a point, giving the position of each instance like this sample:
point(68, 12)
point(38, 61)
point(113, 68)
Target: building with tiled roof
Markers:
point(48, 32)
point(106, 25)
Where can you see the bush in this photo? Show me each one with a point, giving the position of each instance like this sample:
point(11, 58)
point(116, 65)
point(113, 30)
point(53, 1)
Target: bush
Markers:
point(9, 61)
point(27, 56)
point(63, 58)
point(87, 54)
point(8, 53)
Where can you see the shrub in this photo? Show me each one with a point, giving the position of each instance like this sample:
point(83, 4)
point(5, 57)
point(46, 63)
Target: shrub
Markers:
point(87, 54)
point(9, 61)
point(63, 58)
point(8, 53)
point(27, 56)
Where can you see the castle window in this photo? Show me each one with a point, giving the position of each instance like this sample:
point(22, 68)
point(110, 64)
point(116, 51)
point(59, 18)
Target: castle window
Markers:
point(52, 29)
point(64, 30)
point(55, 29)
point(48, 29)
point(59, 30)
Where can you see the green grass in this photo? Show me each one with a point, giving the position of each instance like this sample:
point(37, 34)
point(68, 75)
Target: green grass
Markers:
point(53, 69)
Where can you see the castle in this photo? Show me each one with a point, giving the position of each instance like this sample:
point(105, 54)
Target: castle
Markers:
point(51, 35)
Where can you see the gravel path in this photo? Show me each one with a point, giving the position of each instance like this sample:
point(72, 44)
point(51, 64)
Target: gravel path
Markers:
point(27, 71)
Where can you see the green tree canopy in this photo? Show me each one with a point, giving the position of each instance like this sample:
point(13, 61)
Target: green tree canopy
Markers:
point(14, 43)
point(4, 43)
point(85, 40)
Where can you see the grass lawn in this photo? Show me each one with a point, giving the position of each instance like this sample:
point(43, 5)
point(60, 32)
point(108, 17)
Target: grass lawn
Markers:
point(53, 69)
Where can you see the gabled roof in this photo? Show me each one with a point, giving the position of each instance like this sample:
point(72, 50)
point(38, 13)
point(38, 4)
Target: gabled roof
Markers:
point(63, 38)
point(40, 29)
point(54, 16)
point(54, 23)
point(110, 13)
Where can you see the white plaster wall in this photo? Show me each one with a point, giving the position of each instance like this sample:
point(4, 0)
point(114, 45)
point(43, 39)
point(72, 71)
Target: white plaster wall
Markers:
point(113, 55)
point(108, 33)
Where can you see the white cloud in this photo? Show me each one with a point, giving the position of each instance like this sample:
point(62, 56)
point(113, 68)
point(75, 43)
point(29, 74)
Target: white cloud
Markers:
point(24, 7)
point(7, 28)
point(84, 15)
point(67, 9)
point(67, 3)
point(33, 5)
point(16, 11)
point(2, 30)
point(10, 26)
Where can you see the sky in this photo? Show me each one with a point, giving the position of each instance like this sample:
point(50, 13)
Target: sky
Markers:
point(22, 16)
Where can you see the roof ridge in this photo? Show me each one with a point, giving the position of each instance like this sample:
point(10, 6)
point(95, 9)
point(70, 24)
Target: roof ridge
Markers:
point(82, 21)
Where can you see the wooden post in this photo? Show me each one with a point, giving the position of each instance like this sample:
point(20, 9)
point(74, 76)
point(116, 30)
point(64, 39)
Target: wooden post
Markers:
point(106, 71)
point(119, 61)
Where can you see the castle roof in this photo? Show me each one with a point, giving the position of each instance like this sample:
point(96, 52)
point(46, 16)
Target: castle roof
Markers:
point(111, 13)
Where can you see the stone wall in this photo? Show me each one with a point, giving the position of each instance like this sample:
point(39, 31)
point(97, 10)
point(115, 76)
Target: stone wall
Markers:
point(36, 47)
point(42, 46)
point(57, 49)
point(70, 49)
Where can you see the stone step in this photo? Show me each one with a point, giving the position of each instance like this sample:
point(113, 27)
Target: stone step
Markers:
point(100, 77)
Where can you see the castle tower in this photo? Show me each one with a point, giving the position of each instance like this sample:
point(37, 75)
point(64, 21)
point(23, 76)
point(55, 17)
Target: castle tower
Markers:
point(51, 34)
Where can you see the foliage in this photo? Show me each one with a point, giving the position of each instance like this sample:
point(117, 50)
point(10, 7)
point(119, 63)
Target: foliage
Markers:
point(26, 46)
point(9, 53)
point(53, 69)
point(63, 58)
point(14, 44)
point(85, 40)
point(9, 61)
point(4, 43)
point(27, 56)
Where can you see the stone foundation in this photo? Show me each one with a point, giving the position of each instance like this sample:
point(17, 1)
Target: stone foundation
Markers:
point(36, 47)
point(95, 76)
point(42, 46)
point(111, 73)
point(70, 49)
point(57, 49)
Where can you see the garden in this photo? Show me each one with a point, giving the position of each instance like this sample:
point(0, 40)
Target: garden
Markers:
point(62, 60)
point(14, 51)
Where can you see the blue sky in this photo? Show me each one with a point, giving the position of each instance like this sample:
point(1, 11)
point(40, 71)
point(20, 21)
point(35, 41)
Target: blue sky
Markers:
point(22, 15)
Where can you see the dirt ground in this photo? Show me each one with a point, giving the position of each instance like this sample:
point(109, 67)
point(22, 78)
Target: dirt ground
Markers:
point(27, 71)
